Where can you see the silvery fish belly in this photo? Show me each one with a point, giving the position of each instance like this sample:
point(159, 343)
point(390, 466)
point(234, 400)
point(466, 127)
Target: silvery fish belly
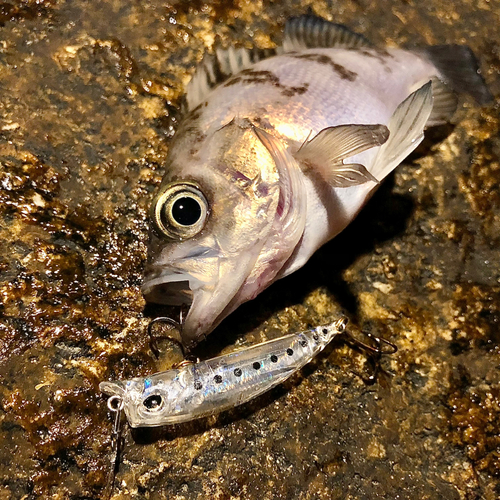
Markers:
point(211, 386)
point(277, 153)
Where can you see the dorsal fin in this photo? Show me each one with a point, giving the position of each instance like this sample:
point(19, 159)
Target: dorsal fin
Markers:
point(217, 68)
point(310, 32)
point(302, 32)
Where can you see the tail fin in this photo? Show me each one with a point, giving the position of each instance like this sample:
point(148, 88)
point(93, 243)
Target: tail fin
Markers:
point(459, 68)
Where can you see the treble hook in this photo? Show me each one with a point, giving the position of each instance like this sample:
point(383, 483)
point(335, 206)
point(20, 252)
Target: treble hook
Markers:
point(379, 351)
point(153, 341)
point(375, 352)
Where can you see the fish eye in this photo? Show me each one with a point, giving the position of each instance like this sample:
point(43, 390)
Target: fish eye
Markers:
point(153, 402)
point(180, 210)
point(186, 211)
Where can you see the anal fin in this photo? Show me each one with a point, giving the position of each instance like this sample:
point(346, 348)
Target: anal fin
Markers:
point(406, 128)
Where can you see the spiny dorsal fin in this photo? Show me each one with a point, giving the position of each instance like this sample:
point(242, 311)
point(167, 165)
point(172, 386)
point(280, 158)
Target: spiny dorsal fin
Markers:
point(302, 32)
point(310, 32)
point(217, 68)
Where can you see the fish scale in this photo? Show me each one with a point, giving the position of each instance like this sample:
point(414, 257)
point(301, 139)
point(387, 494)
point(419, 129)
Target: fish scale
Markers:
point(330, 99)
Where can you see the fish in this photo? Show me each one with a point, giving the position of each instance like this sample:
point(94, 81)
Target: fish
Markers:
point(278, 152)
point(199, 389)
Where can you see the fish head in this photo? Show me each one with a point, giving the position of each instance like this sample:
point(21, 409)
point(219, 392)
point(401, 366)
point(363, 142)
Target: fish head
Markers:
point(216, 211)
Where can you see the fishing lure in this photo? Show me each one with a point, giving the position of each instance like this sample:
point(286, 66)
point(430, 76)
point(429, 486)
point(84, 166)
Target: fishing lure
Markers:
point(199, 389)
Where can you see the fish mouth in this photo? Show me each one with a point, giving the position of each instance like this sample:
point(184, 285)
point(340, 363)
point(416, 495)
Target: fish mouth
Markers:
point(173, 289)
point(206, 301)
point(169, 288)
point(207, 297)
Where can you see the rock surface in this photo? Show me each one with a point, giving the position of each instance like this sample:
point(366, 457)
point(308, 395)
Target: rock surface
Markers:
point(87, 107)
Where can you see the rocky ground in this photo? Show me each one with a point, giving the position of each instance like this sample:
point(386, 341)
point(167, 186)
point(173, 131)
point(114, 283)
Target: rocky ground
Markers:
point(88, 101)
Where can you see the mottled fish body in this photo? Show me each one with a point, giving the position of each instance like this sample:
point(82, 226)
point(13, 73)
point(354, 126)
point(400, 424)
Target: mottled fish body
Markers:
point(298, 95)
point(305, 92)
point(203, 388)
point(277, 155)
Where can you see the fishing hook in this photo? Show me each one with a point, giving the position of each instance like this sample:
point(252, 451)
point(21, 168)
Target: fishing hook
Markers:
point(153, 340)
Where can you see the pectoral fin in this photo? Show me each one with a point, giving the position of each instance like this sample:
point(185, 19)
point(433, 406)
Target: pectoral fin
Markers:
point(326, 151)
point(348, 175)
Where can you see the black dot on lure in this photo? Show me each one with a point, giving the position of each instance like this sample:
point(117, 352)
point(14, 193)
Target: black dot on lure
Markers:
point(153, 402)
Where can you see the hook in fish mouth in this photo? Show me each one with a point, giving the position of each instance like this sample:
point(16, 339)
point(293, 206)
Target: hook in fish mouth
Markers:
point(177, 325)
point(209, 289)
point(174, 289)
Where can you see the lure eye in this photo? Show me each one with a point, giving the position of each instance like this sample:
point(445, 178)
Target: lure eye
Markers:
point(180, 210)
point(153, 402)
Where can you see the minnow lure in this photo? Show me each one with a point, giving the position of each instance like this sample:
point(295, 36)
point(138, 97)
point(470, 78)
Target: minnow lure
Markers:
point(199, 389)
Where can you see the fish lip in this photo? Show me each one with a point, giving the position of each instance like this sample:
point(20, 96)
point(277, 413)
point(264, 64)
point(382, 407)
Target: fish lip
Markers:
point(174, 288)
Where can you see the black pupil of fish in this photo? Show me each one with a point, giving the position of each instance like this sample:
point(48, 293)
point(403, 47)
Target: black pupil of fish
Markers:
point(152, 402)
point(186, 211)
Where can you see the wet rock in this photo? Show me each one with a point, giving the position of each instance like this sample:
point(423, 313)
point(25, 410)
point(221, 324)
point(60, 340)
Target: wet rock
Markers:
point(87, 107)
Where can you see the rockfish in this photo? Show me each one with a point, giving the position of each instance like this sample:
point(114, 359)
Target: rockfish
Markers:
point(279, 151)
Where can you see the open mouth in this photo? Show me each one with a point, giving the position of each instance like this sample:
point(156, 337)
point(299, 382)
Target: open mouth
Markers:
point(168, 289)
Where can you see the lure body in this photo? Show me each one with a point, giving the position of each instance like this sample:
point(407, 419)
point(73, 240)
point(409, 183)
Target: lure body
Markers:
point(220, 383)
